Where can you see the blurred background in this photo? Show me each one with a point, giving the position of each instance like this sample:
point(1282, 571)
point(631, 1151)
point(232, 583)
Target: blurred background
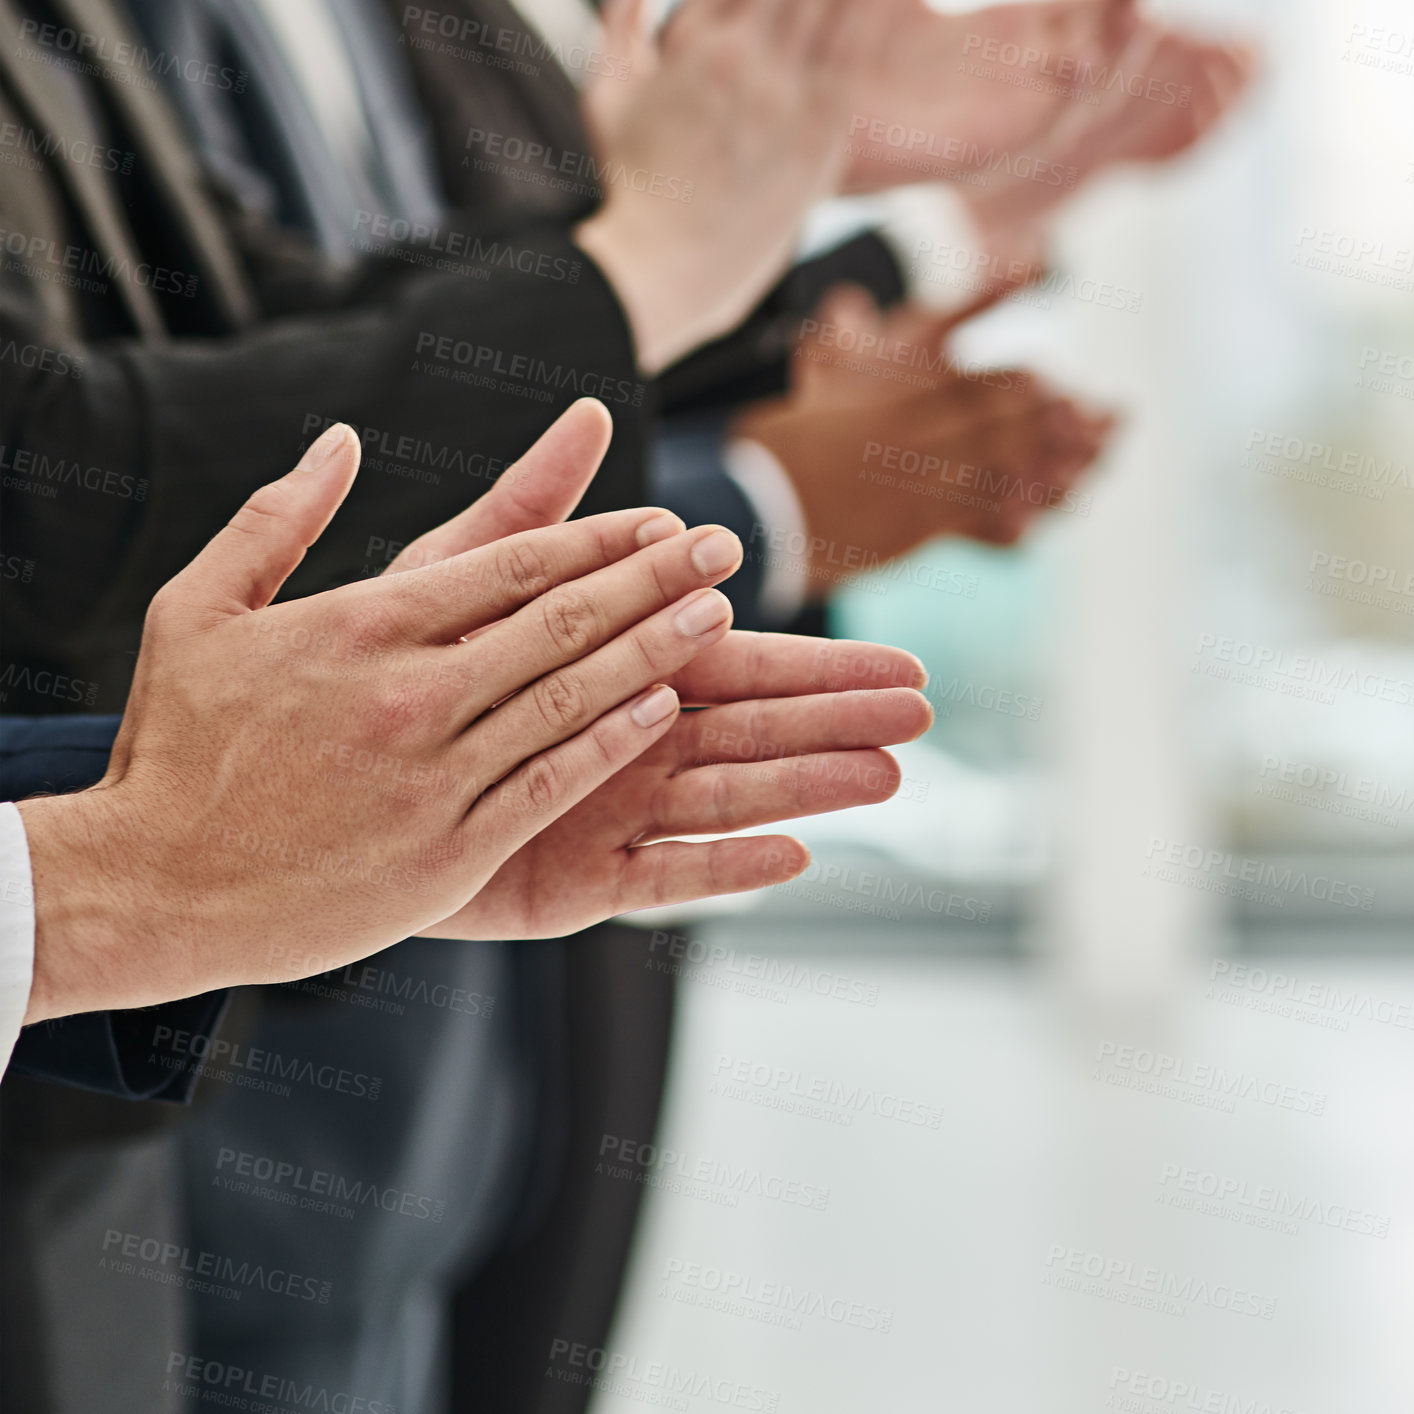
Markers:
point(1078, 1077)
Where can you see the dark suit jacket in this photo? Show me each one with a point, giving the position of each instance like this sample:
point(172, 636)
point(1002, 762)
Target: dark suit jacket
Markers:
point(134, 419)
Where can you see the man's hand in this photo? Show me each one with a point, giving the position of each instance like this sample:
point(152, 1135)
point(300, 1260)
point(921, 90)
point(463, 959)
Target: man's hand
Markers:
point(793, 727)
point(730, 127)
point(889, 440)
point(806, 745)
point(323, 777)
point(958, 94)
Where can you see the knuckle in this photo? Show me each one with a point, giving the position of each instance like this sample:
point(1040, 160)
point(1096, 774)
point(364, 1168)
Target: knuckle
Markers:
point(659, 583)
point(522, 567)
point(260, 514)
point(160, 610)
point(603, 742)
point(373, 621)
point(651, 650)
point(542, 784)
point(720, 801)
point(571, 620)
point(391, 712)
point(559, 700)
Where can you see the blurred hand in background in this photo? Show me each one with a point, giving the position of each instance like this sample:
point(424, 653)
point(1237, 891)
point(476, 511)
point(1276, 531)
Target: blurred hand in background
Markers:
point(1179, 88)
point(955, 91)
point(733, 124)
point(890, 441)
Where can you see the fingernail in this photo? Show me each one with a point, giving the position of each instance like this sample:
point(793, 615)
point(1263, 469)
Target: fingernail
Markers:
point(703, 613)
point(716, 552)
point(659, 528)
point(654, 705)
point(324, 446)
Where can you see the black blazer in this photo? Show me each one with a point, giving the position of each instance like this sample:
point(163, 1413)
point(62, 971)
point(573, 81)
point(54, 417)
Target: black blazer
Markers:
point(138, 409)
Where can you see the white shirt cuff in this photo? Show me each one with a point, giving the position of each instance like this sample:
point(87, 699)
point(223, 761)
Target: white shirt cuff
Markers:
point(16, 928)
point(767, 485)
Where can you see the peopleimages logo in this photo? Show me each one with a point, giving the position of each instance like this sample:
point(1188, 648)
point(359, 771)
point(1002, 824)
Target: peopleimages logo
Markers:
point(317, 1190)
point(37, 356)
point(234, 1387)
point(386, 234)
point(652, 1381)
point(1262, 1204)
point(1322, 464)
point(566, 170)
point(173, 1264)
point(865, 131)
point(783, 977)
point(726, 1182)
point(84, 268)
point(1214, 1086)
point(1084, 78)
point(1150, 1288)
point(1213, 869)
point(791, 1091)
point(1285, 991)
point(475, 363)
point(1294, 674)
point(742, 1293)
point(1142, 1392)
point(27, 469)
point(253, 1067)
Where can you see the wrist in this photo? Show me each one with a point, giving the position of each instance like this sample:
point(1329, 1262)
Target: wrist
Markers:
point(601, 239)
point(657, 301)
point(91, 940)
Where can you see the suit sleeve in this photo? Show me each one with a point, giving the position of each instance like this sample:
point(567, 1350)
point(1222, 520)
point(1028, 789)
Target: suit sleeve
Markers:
point(108, 1052)
point(752, 361)
point(121, 458)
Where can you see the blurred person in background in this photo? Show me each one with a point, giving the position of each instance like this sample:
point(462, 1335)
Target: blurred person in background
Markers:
point(312, 166)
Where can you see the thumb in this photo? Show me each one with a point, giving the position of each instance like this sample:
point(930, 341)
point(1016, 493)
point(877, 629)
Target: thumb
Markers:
point(245, 564)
